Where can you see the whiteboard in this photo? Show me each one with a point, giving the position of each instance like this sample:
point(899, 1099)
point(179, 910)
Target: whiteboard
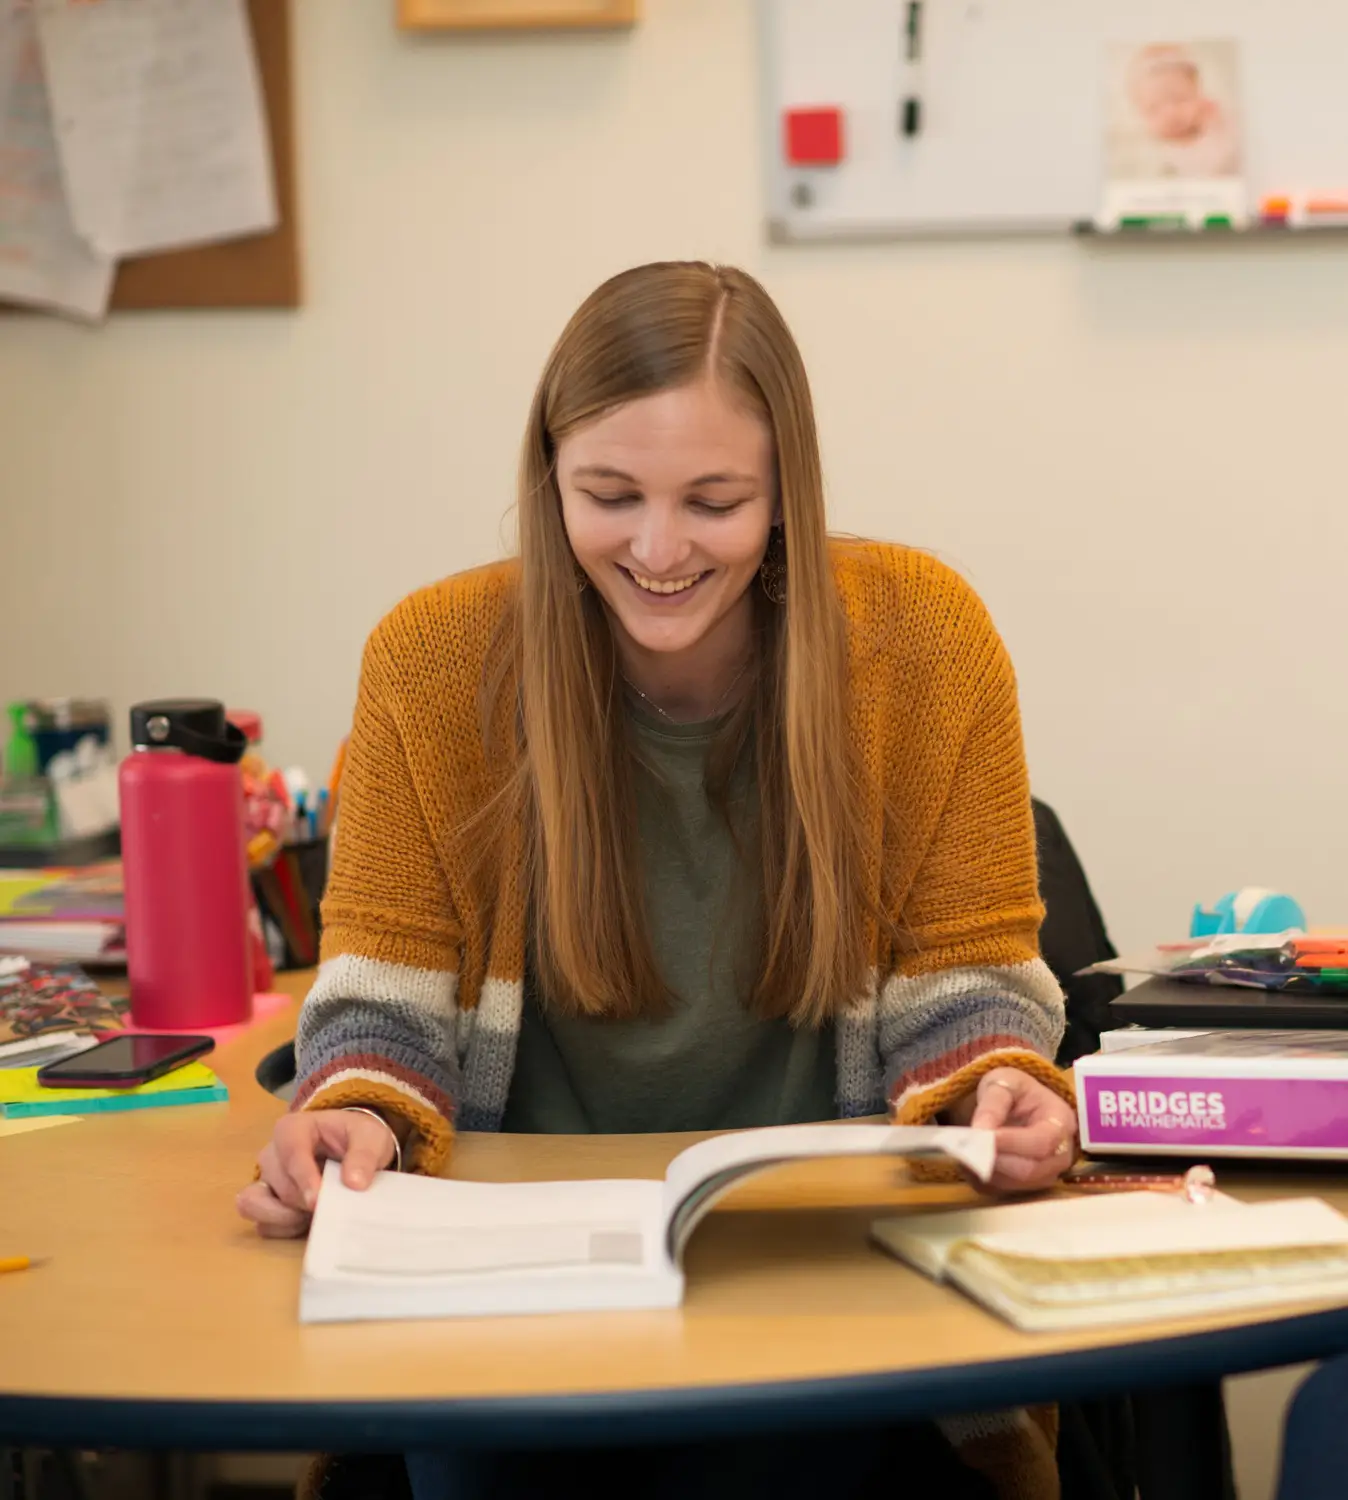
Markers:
point(1013, 92)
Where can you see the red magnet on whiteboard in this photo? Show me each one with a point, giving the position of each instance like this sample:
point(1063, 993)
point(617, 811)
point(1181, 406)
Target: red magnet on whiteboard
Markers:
point(814, 137)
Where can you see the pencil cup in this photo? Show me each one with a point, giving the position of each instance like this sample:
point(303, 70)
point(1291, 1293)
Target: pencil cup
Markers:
point(289, 892)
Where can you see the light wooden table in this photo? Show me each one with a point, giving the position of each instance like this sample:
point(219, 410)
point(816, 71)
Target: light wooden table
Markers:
point(163, 1320)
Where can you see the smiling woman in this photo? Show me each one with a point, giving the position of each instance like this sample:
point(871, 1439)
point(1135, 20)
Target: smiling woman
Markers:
point(671, 433)
point(687, 818)
point(673, 538)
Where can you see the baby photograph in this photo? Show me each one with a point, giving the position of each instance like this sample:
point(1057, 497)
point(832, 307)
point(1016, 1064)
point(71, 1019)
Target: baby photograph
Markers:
point(1172, 110)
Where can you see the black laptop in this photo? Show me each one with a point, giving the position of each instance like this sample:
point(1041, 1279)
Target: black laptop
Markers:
point(1174, 1002)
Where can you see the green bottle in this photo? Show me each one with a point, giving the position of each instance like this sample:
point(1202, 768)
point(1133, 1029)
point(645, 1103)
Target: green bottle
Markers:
point(20, 762)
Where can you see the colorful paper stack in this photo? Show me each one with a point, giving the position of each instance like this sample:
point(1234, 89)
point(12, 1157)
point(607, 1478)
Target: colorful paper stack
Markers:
point(61, 914)
point(21, 1095)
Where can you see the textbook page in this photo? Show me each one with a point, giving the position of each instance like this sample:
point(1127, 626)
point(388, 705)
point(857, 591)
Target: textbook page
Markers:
point(423, 1247)
point(700, 1176)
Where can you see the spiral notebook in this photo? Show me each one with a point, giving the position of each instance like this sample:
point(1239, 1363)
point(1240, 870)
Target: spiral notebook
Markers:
point(1128, 1257)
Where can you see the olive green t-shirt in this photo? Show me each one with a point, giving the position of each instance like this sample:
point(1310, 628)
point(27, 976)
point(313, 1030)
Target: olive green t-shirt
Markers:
point(708, 1064)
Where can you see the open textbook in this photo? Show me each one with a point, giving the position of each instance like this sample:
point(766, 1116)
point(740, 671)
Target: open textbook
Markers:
point(1128, 1257)
point(422, 1247)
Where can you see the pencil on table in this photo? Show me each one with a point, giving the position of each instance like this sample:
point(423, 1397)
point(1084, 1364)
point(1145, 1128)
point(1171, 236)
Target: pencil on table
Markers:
point(20, 1262)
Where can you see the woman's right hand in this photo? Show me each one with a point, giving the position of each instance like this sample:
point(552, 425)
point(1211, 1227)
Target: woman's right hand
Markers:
point(281, 1202)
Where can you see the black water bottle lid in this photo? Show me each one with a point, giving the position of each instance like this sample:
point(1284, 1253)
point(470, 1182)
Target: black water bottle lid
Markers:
point(195, 725)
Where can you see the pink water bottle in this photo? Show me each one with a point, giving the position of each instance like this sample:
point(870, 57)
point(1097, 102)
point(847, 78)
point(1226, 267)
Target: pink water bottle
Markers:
point(185, 868)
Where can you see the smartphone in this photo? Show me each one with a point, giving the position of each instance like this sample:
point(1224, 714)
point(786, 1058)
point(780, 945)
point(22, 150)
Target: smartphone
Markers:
point(123, 1062)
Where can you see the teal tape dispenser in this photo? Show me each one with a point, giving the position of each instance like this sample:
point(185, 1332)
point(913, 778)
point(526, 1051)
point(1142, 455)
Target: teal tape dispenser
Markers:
point(1252, 909)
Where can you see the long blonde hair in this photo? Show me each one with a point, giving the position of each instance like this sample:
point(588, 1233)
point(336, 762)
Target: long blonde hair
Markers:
point(647, 330)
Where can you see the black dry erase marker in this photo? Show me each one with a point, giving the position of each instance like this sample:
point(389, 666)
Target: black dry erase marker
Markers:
point(910, 111)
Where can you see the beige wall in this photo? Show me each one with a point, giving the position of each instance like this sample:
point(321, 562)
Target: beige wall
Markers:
point(1136, 454)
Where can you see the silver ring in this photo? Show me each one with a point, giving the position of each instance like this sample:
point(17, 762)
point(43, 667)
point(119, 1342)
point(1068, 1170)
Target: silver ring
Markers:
point(361, 1109)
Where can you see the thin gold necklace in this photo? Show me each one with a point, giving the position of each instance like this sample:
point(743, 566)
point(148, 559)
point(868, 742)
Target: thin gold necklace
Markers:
point(668, 717)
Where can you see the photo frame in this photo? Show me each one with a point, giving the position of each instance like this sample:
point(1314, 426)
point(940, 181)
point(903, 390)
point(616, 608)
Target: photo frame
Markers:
point(514, 15)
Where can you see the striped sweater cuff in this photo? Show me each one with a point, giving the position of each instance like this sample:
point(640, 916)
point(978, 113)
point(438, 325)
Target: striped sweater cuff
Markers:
point(921, 1103)
point(367, 1082)
point(384, 1036)
point(933, 1026)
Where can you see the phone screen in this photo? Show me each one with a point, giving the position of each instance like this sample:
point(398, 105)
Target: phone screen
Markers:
point(125, 1056)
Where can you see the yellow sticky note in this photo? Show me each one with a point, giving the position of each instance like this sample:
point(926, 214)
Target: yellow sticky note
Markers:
point(20, 1086)
point(35, 1122)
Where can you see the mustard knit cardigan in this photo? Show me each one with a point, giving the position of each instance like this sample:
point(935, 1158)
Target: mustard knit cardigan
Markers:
point(416, 1008)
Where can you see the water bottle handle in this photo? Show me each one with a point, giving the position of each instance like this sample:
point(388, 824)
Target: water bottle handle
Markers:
point(225, 752)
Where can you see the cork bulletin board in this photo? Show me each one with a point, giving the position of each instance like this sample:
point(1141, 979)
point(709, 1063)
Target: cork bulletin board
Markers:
point(262, 270)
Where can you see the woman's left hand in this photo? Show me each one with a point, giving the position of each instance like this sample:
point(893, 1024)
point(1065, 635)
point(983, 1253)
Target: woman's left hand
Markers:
point(1036, 1130)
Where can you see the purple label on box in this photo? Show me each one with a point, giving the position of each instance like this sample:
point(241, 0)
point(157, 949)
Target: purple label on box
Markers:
point(1275, 1113)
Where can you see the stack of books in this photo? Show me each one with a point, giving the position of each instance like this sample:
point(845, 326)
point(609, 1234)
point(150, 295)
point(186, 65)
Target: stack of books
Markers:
point(62, 915)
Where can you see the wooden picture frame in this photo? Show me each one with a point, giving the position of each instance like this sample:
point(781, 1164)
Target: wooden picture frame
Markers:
point(514, 15)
